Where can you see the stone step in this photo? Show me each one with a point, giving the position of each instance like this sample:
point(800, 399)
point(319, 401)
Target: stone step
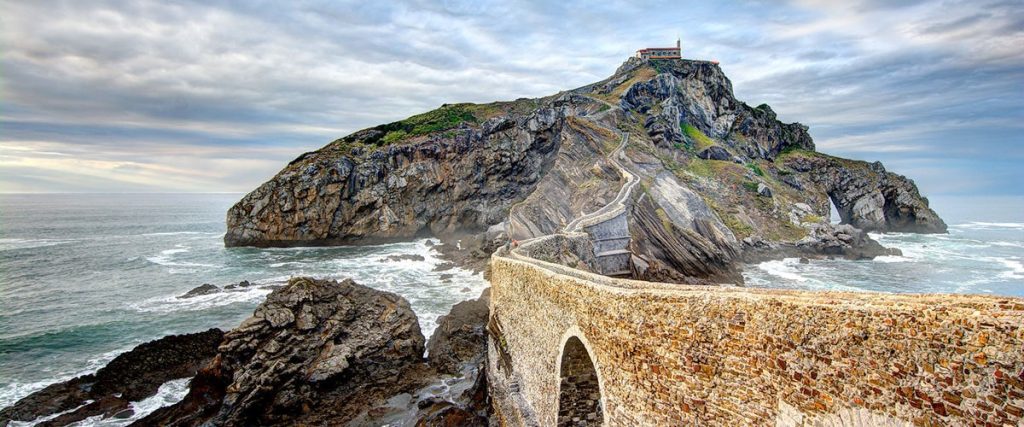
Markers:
point(604, 239)
point(612, 253)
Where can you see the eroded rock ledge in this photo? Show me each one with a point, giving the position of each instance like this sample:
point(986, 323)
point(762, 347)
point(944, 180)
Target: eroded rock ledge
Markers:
point(130, 377)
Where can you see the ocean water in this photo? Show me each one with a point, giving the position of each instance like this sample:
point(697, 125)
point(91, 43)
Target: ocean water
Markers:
point(86, 277)
point(974, 257)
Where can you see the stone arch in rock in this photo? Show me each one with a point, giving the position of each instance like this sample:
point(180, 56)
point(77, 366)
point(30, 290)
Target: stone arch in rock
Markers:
point(580, 401)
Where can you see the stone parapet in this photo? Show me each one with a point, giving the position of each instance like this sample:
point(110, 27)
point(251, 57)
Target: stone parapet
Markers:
point(692, 355)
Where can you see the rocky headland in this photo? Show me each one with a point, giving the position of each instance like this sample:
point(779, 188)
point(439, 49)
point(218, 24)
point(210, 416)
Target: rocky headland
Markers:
point(720, 182)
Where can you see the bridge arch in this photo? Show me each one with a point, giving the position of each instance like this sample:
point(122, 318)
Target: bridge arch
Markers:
point(581, 399)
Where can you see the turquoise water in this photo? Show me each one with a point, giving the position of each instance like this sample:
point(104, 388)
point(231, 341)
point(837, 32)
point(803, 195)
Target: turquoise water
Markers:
point(86, 277)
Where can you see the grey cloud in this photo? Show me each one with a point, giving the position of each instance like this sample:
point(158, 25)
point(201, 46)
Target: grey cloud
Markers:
point(259, 83)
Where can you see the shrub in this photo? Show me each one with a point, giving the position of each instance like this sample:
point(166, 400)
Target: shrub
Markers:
point(755, 168)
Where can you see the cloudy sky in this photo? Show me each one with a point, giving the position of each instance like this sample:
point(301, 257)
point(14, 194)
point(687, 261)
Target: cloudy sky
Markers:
point(217, 96)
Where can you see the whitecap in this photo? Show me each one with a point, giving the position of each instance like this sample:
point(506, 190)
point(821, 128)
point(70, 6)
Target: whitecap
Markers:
point(1016, 268)
point(181, 233)
point(166, 259)
point(170, 304)
point(12, 244)
point(892, 259)
point(783, 269)
point(990, 225)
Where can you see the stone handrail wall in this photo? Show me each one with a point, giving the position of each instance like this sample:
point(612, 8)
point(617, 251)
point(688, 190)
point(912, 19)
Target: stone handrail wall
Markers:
point(618, 204)
point(690, 355)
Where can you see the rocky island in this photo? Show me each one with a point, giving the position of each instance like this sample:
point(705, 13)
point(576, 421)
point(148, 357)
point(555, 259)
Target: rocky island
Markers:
point(719, 181)
point(613, 218)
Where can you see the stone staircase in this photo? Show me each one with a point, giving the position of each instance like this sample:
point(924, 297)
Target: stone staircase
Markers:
point(610, 239)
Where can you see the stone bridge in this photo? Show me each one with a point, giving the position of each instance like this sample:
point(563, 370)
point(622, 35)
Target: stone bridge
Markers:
point(573, 348)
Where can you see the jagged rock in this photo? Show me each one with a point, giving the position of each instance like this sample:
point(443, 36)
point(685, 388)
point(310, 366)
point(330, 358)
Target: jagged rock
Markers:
point(131, 376)
point(315, 352)
point(460, 337)
point(841, 240)
point(242, 284)
point(867, 196)
point(204, 289)
point(679, 238)
point(763, 190)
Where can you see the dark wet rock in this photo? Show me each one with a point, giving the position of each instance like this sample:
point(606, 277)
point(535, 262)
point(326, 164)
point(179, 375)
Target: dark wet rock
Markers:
point(131, 376)
point(316, 352)
point(460, 337)
point(204, 289)
point(843, 241)
point(444, 266)
point(242, 284)
point(446, 277)
point(443, 413)
point(405, 257)
point(804, 260)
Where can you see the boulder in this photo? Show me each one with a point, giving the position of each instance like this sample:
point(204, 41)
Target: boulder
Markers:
point(460, 337)
point(315, 352)
point(714, 152)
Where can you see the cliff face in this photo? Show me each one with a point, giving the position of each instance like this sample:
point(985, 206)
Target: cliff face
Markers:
point(359, 189)
point(717, 178)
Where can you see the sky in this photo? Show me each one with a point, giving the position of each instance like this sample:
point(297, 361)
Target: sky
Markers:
point(211, 96)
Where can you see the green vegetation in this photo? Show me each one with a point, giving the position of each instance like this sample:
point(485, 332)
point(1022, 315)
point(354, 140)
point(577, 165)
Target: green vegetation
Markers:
point(441, 119)
point(750, 185)
point(811, 218)
point(700, 141)
point(394, 136)
point(755, 168)
point(739, 228)
point(666, 223)
point(641, 74)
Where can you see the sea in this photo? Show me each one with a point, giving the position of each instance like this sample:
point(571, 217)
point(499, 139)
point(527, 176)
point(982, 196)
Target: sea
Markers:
point(85, 277)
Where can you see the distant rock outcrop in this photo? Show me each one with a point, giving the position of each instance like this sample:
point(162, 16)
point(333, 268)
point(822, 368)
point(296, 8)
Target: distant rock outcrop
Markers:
point(867, 196)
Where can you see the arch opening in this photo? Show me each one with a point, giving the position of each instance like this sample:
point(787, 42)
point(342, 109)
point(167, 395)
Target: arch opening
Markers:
point(579, 396)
